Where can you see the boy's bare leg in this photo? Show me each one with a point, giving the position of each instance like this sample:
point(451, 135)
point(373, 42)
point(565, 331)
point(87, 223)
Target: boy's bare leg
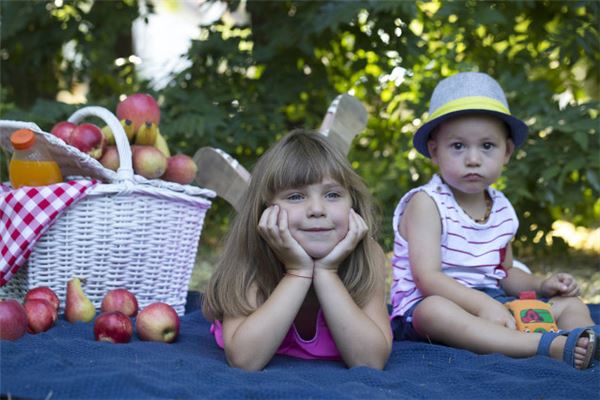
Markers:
point(570, 312)
point(443, 321)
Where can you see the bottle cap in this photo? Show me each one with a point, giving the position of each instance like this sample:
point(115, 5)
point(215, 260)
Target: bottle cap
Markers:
point(22, 139)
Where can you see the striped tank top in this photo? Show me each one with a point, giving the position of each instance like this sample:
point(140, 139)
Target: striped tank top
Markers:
point(471, 253)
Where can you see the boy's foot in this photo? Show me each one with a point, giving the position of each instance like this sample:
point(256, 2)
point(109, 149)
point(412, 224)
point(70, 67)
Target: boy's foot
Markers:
point(345, 118)
point(220, 172)
point(575, 347)
point(596, 329)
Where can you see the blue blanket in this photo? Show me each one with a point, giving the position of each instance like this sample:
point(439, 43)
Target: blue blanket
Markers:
point(66, 362)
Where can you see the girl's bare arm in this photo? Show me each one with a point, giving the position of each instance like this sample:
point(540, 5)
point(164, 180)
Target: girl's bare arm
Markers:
point(251, 341)
point(362, 335)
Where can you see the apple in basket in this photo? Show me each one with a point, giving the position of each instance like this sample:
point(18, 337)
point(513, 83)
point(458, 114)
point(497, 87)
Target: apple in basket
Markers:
point(120, 300)
point(41, 315)
point(63, 130)
point(181, 169)
point(110, 158)
point(13, 319)
point(87, 138)
point(139, 108)
point(148, 161)
point(113, 327)
point(43, 293)
point(158, 322)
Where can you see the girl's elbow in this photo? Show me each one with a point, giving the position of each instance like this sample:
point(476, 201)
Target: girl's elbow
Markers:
point(248, 364)
point(248, 367)
point(374, 361)
point(378, 364)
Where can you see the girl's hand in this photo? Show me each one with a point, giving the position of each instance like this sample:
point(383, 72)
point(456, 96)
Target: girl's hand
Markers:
point(357, 229)
point(497, 313)
point(560, 284)
point(273, 228)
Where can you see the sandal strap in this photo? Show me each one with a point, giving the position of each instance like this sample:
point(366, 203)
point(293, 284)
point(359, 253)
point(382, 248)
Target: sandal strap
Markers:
point(571, 343)
point(545, 342)
point(596, 330)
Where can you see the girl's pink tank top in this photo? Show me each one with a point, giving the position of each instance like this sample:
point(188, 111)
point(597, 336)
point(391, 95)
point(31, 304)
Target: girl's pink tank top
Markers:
point(320, 347)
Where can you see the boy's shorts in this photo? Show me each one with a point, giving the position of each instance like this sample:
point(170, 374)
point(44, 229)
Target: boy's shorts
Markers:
point(403, 328)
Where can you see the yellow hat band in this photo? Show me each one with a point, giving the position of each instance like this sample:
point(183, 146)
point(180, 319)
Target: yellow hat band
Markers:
point(470, 103)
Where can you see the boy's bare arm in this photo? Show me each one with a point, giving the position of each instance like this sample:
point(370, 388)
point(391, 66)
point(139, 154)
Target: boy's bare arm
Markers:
point(421, 227)
point(518, 280)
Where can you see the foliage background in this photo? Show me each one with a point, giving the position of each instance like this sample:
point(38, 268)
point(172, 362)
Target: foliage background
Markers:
point(248, 85)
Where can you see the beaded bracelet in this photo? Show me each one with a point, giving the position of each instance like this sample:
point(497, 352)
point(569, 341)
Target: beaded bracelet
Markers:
point(299, 276)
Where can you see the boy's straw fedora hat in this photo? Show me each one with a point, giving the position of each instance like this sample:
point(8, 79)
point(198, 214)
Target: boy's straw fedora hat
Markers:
point(467, 93)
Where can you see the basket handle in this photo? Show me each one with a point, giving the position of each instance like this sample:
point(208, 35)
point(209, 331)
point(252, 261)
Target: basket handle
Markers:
point(125, 171)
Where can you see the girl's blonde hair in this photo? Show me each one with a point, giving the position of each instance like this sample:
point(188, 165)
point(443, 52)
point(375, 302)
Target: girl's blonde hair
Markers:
point(298, 159)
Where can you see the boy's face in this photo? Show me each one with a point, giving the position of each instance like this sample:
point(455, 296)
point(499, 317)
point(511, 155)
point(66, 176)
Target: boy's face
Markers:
point(470, 151)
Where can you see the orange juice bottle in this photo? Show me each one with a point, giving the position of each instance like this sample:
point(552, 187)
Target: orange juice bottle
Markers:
point(31, 164)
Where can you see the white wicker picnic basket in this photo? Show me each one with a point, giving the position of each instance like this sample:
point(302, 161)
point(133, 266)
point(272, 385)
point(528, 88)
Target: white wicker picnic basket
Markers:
point(126, 232)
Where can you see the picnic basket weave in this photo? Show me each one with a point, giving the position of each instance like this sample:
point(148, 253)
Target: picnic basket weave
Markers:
point(127, 232)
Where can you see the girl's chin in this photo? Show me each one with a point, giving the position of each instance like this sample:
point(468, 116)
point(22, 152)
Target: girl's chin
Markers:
point(317, 253)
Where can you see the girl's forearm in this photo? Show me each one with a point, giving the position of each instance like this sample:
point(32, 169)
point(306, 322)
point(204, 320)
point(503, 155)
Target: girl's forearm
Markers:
point(359, 338)
point(256, 339)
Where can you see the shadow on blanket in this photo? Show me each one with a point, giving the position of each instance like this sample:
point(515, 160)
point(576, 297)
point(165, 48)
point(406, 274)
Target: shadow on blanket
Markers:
point(66, 362)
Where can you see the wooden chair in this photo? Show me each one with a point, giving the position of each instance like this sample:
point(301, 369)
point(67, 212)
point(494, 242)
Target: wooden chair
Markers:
point(346, 117)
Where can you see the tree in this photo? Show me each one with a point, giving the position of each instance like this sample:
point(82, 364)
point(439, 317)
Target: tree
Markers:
point(250, 84)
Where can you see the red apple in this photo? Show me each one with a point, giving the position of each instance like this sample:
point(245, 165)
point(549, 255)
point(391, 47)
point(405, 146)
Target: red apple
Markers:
point(89, 139)
point(114, 327)
point(43, 293)
point(120, 300)
point(158, 322)
point(181, 169)
point(13, 320)
point(139, 108)
point(41, 315)
point(64, 130)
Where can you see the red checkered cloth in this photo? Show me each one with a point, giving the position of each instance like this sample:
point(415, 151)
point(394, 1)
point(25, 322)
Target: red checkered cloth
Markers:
point(26, 213)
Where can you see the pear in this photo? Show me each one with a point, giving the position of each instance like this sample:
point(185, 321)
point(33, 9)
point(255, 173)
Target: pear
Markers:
point(78, 306)
point(146, 135)
point(128, 128)
point(108, 135)
point(161, 144)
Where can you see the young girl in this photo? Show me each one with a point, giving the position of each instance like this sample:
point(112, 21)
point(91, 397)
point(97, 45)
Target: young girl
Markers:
point(455, 294)
point(300, 272)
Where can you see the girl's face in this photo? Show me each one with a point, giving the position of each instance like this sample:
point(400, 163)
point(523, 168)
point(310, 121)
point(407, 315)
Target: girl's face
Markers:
point(317, 215)
point(470, 152)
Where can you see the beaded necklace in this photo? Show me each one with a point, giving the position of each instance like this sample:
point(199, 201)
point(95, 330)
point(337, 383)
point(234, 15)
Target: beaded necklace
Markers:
point(488, 209)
